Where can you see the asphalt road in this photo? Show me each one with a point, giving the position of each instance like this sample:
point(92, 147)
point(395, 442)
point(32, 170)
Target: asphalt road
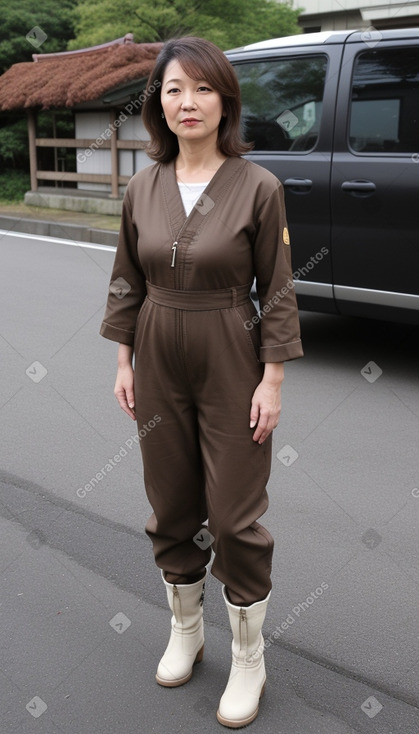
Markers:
point(84, 617)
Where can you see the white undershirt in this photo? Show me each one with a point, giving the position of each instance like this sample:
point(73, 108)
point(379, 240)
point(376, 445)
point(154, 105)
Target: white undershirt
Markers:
point(190, 194)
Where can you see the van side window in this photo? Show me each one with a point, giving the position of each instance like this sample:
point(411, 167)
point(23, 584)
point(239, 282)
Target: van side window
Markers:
point(384, 114)
point(282, 102)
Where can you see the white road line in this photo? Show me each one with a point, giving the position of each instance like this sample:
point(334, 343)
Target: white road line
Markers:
point(56, 240)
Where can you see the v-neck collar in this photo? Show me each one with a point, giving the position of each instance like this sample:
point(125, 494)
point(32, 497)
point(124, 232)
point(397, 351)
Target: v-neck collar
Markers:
point(173, 167)
point(214, 189)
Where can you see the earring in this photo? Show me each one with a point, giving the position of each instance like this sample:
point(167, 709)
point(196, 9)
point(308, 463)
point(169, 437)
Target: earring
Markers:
point(162, 114)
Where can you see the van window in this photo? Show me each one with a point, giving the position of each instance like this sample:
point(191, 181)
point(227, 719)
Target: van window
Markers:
point(282, 102)
point(384, 114)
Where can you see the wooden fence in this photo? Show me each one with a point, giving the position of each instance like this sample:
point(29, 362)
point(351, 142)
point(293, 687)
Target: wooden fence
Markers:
point(112, 144)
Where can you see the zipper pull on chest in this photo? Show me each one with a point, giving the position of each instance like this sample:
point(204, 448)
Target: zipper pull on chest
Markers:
point(174, 246)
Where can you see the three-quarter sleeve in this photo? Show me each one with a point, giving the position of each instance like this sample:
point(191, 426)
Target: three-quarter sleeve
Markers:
point(279, 322)
point(127, 288)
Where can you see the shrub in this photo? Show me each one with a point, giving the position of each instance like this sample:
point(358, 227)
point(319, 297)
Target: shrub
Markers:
point(13, 185)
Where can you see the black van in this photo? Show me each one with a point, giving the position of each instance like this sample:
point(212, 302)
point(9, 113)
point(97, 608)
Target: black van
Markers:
point(335, 116)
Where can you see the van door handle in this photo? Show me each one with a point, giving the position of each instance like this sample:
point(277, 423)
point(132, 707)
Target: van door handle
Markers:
point(359, 187)
point(303, 185)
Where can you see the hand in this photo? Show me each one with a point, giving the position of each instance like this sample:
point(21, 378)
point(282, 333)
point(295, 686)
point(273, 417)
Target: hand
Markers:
point(266, 402)
point(124, 384)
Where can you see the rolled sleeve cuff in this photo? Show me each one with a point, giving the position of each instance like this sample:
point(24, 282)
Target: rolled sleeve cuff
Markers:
point(281, 352)
point(117, 334)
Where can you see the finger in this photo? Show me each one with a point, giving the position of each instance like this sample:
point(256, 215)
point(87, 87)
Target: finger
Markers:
point(121, 397)
point(131, 407)
point(129, 411)
point(271, 423)
point(261, 428)
point(254, 415)
point(129, 392)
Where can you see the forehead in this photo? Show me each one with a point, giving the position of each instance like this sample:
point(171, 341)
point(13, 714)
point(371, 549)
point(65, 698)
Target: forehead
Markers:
point(174, 70)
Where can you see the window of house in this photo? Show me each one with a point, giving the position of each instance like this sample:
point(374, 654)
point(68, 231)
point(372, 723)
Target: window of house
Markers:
point(282, 102)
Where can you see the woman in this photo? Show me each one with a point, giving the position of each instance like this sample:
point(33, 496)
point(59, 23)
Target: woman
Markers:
point(197, 227)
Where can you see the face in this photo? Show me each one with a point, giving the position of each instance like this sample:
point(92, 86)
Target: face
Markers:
point(193, 109)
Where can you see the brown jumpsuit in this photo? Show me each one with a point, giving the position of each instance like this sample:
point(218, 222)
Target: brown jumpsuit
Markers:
point(179, 294)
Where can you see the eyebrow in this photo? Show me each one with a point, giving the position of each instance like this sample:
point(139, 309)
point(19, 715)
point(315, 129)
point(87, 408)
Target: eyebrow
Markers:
point(179, 81)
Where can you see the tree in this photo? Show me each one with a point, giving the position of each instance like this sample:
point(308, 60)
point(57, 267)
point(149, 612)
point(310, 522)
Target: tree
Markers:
point(228, 23)
point(55, 21)
point(54, 26)
point(232, 23)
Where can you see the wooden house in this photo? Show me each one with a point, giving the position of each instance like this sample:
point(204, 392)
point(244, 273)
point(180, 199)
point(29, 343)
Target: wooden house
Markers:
point(104, 87)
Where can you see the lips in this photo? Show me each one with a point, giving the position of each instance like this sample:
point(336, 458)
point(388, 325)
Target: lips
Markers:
point(190, 121)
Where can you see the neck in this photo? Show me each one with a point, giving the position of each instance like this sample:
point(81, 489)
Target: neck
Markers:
point(195, 158)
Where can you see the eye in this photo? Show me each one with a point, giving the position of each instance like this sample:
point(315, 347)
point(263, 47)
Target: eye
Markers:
point(205, 89)
point(172, 89)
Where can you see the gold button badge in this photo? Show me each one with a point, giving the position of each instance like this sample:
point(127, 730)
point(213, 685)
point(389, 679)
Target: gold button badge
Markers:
point(286, 236)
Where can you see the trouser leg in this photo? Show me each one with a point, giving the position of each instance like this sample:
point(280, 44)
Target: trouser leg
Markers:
point(173, 472)
point(175, 489)
point(174, 485)
point(200, 460)
point(236, 498)
point(236, 468)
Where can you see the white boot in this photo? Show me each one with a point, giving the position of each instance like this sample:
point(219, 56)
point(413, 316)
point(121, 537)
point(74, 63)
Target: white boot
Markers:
point(186, 644)
point(239, 703)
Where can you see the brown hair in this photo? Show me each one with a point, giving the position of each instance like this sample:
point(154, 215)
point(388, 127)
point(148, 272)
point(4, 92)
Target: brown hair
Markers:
point(200, 59)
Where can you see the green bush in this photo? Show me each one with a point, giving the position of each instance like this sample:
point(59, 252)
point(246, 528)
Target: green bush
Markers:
point(13, 185)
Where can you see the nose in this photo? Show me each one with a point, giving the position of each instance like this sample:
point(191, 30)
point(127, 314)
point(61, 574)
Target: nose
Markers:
point(188, 102)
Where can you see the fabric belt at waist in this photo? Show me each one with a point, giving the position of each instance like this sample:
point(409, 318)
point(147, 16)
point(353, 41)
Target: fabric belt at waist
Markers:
point(199, 300)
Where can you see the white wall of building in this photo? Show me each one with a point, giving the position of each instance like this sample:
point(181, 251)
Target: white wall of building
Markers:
point(132, 161)
point(347, 14)
point(93, 125)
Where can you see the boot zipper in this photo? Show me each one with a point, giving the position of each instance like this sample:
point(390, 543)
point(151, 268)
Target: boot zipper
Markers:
point(201, 598)
point(176, 596)
point(242, 623)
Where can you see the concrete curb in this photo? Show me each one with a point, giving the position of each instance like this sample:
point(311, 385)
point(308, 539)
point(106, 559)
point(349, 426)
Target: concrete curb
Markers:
point(77, 203)
point(65, 230)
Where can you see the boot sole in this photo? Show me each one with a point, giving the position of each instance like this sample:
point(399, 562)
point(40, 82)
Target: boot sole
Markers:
point(243, 722)
point(181, 681)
